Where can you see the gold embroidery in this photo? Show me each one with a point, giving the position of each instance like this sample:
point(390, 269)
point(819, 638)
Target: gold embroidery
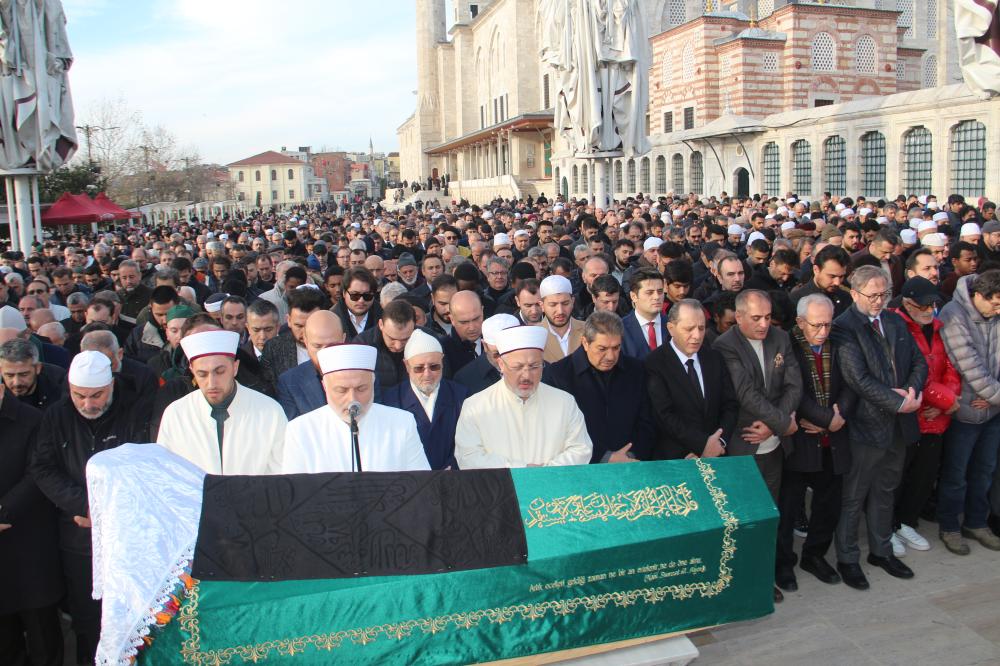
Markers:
point(191, 651)
point(661, 501)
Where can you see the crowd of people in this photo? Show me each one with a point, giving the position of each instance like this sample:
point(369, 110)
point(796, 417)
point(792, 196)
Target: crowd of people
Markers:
point(850, 346)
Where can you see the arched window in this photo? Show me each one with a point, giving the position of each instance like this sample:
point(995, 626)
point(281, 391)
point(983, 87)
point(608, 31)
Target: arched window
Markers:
point(865, 58)
point(239, 176)
point(291, 174)
point(906, 17)
point(929, 74)
point(917, 164)
point(256, 175)
point(835, 166)
point(585, 179)
point(772, 168)
point(618, 178)
point(802, 168)
point(274, 174)
point(677, 169)
point(674, 14)
point(687, 62)
point(697, 173)
point(765, 8)
point(968, 158)
point(644, 175)
point(822, 53)
point(576, 179)
point(630, 176)
point(873, 164)
point(932, 19)
point(667, 69)
point(661, 175)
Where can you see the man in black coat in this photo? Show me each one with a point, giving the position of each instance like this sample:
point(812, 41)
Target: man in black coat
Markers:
point(34, 383)
point(609, 388)
point(94, 417)
point(821, 452)
point(389, 339)
point(29, 553)
point(882, 364)
point(693, 399)
point(287, 350)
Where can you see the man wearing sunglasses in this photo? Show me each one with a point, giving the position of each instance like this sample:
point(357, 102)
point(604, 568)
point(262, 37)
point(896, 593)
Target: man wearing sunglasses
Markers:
point(358, 309)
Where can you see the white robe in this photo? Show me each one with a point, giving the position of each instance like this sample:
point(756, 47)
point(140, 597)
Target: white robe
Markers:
point(320, 441)
point(252, 438)
point(498, 429)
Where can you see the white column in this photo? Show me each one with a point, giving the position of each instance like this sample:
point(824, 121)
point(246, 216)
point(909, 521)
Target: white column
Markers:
point(499, 154)
point(600, 168)
point(22, 196)
point(15, 240)
point(37, 209)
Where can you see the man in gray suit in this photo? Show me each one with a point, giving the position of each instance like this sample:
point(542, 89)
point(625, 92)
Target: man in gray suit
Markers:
point(768, 386)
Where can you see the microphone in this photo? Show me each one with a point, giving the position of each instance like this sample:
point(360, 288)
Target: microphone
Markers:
point(354, 409)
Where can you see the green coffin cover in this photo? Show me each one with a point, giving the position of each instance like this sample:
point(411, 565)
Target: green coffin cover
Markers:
point(614, 552)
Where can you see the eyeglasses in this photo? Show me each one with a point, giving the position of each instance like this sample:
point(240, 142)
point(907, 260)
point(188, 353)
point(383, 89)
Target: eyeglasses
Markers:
point(530, 367)
point(819, 327)
point(421, 369)
point(497, 273)
point(875, 298)
point(355, 296)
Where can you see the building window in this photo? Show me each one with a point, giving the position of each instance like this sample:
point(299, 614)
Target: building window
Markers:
point(274, 195)
point(726, 69)
point(932, 19)
point(239, 176)
point(291, 174)
point(917, 161)
point(241, 196)
point(482, 117)
point(257, 175)
point(291, 195)
point(501, 116)
point(873, 164)
point(822, 102)
point(687, 62)
point(968, 159)
point(697, 173)
point(667, 70)
point(677, 171)
point(274, 174)
point(835, 166)
point(545, 91)
point(473, 11)
point(772, 168)
point(496, 116)
point(765, 8)
point(865, 60)
point(630, 176)
point(649, 124)
point(688, 117)
point(822, 53)
point(770, 62)
point(900, 70)
point(801, 168)
point(676, 12)
point(618, 178)
point(929, 79)
point(585, 179)
point(576, 179)
point(668, 122)
point(906, 17)
point(644, 175)
point(661, 175)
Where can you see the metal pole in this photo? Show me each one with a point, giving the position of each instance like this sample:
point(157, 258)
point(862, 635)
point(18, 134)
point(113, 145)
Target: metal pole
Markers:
point(22, 193)
point(36, 207)
point(15, 241)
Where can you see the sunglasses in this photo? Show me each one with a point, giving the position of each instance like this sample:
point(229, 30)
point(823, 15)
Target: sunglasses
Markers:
point(420, 369)
point(355, 296)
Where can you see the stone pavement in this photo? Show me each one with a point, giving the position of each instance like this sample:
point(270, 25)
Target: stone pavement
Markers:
point(949, 614)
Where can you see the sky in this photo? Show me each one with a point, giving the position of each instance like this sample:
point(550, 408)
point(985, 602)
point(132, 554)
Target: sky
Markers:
point(233, 78)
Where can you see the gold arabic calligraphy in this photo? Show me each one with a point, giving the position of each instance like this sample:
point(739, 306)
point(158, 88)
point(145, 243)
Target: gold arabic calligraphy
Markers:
point(648, 502)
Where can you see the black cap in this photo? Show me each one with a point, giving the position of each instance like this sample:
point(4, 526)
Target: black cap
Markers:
point(921, 290)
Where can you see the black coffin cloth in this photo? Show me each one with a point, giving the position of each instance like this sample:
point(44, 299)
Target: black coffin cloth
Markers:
point(309, 526)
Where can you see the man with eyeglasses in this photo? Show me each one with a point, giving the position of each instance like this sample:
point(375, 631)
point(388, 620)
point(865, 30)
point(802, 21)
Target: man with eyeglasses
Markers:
point(881, 363)
point(40, 290)
point(358, 309)
point(520, 422)
point(435, 402)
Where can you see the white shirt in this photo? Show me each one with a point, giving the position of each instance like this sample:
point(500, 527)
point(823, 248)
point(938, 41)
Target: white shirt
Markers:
point(60, 312)
point(562, 339)
point(359, 324)
point(301, 354)
point(427, 401)
point(772, 442)
point(684, 358)
point(644, 327)
point(320, 441)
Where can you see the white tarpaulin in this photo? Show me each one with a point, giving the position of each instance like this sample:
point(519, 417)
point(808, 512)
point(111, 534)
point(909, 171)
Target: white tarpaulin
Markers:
point(977, 24)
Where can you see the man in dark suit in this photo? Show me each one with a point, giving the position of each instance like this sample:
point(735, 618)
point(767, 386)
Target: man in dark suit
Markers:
point(287, 350)
point(645, 327)
point(821, 454)
point(300, 389)
point(483, 373)
point(358, 308)
point(883, 248)
point(692, 396)
point(882, 364)
point(609, 388)
point(30, 575)
point(389, 338)
point(32, 382)
point(435, 402)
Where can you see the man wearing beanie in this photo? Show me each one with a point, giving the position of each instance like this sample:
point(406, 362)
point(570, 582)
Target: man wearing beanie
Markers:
point(989, 242)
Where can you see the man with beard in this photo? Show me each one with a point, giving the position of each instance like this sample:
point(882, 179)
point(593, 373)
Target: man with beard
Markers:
point(134, 294)
point(94, 417)
point(146, 341)
point(443, 289)
point(829, 270)
point(389, 338)
point(565, 332)
point(34, 383)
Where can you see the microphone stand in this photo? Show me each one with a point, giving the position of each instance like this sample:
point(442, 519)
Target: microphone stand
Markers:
point(354, 442)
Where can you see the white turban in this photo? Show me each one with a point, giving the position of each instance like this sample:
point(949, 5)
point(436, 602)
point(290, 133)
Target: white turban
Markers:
point(521, 337)
point(90, 369)
point(495, 324)
point(209, 343)
point(421, 343)
point(347, 357)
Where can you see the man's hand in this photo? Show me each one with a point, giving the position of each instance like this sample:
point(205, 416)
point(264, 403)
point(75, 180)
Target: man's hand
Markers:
point(979, 403)
point(810, 427)
point(953, 408)
point(713, 445)
point(793, 427)
point(930, 413)
point(756, 432)
point(911, 400)
point(4, 526)
point(81, 521)
point(621, 455)
point(838, 421)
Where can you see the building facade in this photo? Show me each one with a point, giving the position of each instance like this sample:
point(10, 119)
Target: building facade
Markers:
point(273, 179)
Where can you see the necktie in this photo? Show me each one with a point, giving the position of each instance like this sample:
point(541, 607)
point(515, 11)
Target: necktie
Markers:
point(220, 414)
point(693, 376)
point(877, 326)
point(651, 330)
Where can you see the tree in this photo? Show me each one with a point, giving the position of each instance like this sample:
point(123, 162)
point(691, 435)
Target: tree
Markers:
point(76, 179)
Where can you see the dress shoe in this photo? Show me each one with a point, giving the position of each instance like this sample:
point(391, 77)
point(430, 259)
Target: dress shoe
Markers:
point(891, 565)
point(785, 579)
point(819, 567)
point(778, 596)
point(984, 536)
point(853, 576)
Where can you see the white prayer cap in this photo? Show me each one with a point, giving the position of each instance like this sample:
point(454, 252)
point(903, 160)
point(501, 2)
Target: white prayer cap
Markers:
point(735, 230)
point(791, 200)
point(521, 232)
point(882, 219)
point(769, 217)
point(421, 343)
point(652, 243)
point(970, 229)
point(909, 236)
point(307, 285)
point(558, 206)
point(934, 240)
point(90, 369)
point(787, 226)
point(209, 343)
point(914, 222)
point(495, 324)
point(347, 356)
point(927, 225)
point(933, 205)
point(554, 284)
point(839, 207)
point(223, 236)
point(937, 217)
point(756, 235)
point(864, 211)
point(847, 211)
point(11, 318)
point(521, 337)
point(501, 239)
point(487, 215)
point(922, 199)
point(782, 210)
point(214, 302)
point(665, 216)
point(358, 244)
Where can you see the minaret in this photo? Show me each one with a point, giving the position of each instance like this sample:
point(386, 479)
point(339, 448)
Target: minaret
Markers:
point(430, 31)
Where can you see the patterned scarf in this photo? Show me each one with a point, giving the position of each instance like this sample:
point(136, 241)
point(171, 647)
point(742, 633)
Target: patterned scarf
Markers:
point(820, 386)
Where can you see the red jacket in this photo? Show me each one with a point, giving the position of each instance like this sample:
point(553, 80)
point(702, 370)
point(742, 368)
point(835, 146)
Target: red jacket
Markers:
point(943, 383)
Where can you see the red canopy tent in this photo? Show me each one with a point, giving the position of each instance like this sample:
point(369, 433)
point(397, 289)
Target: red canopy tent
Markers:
point(104, 203)
point(81, 209)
